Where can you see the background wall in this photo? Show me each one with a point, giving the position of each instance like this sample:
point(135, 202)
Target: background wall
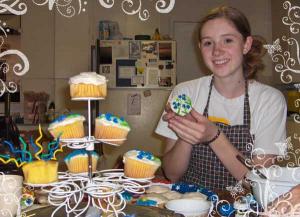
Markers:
point(58, 47)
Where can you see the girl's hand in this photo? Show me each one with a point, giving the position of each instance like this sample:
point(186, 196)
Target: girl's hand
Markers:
point(193, 128)
point(170, 114)
point(287, 203)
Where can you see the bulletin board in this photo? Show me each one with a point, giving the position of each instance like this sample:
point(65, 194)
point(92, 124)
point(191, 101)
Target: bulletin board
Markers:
point(138, 63)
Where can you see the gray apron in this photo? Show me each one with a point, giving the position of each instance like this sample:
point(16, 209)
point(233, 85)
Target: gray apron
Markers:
point(205, 168)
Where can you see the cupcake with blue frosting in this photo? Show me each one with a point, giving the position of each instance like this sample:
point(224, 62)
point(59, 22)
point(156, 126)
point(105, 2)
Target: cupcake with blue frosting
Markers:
point(67, 126)
point(181, 104)
point(140, 164)
point(111, 128)
point(77, 161)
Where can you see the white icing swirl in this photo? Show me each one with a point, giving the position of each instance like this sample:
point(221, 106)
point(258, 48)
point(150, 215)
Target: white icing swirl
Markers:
point(68, 120)
point(103, 121)
point(88, 78)
point(133, 155)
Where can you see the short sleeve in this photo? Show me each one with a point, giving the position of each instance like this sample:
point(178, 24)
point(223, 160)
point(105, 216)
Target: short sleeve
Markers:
point(162, 127)
point(270, 122)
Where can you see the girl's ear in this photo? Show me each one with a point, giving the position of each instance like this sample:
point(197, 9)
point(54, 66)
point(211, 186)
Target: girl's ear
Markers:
point(199, 45)
point(247, 45)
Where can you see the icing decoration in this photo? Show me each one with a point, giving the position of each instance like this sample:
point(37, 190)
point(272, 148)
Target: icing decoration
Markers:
point(181, 105)
point(127, 196)
point(145, 155)
point(182, 188)
point(88, 78)
point(63, 117)
point(21, 156)
point(27, 200)
point(146, 202)
point(114, 119)
point(79, 152)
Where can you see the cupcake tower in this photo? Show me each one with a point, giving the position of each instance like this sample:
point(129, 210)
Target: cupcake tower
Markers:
point(105, 189)
point(109, 128)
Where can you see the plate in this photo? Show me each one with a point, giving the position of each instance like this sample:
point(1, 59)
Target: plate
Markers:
point(40, 185)
point(111, 141)
point(130, 210)
point(189, 207)
point(139, 179)
point(87, 98)
point(78, 140)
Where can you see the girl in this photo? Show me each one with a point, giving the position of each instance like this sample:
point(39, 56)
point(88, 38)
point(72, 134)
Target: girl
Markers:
point(232, 113)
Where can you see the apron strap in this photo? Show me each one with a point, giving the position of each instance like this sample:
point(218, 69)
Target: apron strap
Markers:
point(205, 113)
point(247, 114)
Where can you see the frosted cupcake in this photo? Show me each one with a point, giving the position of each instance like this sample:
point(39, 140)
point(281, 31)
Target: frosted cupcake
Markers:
point(108, 127)
point(67, 126)
point(40, 172)
point(181, 104)
point(77, 161)
point(140, 164)
point(88, 84)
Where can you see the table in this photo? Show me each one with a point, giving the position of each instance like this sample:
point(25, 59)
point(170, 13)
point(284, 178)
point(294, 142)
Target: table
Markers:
point(133, 210)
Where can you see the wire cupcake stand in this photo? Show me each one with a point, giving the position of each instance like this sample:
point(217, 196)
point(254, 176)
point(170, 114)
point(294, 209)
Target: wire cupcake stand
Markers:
point(76, 193)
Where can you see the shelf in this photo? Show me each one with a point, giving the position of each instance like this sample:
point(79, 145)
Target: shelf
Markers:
point(141, 88)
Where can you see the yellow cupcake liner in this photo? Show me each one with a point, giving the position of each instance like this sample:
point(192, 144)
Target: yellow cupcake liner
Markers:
point(40, 172)
point(137, 169)
point(80, 164)
point(88, 90)
point(110, 132)
point(74, 130)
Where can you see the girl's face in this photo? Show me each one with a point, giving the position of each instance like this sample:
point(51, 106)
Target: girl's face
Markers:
point(223, 47)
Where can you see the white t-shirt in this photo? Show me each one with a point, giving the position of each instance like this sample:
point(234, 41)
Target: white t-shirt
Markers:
point(267, 107)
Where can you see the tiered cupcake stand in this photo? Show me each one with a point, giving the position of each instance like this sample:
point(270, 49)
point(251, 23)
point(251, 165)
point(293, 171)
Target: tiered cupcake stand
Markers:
point(76, 193)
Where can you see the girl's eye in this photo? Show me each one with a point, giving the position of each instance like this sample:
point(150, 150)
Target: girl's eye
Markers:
point(206, 43)
point(228, 40)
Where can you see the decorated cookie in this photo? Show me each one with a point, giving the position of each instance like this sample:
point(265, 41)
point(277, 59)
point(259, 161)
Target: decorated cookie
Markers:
point(181, 104)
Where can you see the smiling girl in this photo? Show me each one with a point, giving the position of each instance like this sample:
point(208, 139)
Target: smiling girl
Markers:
point(232, 113)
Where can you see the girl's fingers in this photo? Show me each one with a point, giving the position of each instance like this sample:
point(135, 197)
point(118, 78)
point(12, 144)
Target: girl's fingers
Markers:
point(197, 116)
point(189, 132)
point(182, 134)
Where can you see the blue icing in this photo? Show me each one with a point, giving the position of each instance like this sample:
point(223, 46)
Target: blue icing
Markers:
point(108, 116)
point(126, 195)
point(145, 155)
point(60, 118)
point(146, 202)
point(63, 117)
point(79, 152)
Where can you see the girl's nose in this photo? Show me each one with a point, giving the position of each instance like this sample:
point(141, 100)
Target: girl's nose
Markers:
point(217, 49)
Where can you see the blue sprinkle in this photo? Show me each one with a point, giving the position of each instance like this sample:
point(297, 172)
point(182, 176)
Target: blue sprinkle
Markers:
point(115, 120)
point(122, 119)
point(179, 96)
point(108, 116)
point(188, 106)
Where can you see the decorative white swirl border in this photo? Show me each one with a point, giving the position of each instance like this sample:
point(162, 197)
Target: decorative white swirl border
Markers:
point(17, 8)
point(129, 7)
point(66, 9)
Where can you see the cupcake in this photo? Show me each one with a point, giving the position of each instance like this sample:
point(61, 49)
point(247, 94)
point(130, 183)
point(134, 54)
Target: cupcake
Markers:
point(67, 126)
point(88, 84)
point(40, 172)
point(77, 161)
point(140, 164)
point(108, 126)
point(181, 104)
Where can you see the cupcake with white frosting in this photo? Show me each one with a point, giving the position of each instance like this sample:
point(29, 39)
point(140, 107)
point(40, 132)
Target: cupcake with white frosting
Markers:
point(67, 126)
point(88, 84)
point(111, 128)
point(181, 104)
point(140, 164)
